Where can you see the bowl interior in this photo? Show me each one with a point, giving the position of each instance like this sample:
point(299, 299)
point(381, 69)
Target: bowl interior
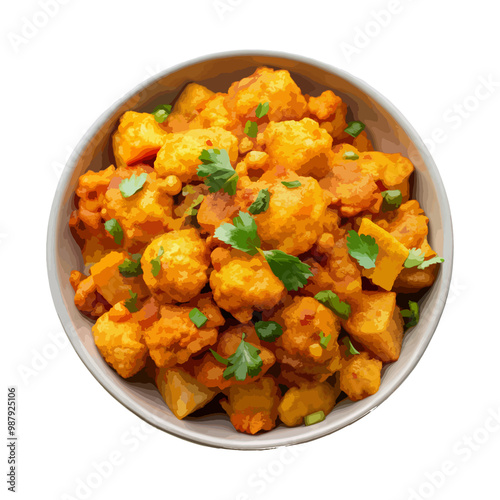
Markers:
point(389, 132)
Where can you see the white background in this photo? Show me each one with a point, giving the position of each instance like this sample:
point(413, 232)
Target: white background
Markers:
point(428, 59)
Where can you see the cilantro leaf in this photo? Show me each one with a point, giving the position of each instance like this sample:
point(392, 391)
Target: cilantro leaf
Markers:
point(430, 262)
point(244, 362)
point(268, 331)
point(363, 248)
point(192, 210)
point(131, 304)
point(161, 112)
point(113, 227)
point(217, 169)
point(188, 189)
point(261, 203)
point(130, 268)
point(241, 234)
point(350, 155)
point(332, 301)
point(324, 340)
point(415, 258)
point(291, 184)
point(262, 109)
point(351, 350)
point(251, 129)
point(392, 200)
point(412, 313)
point(219, 358)
point(133, 184)
point(197, 317)
point(156, 263)
point(288, 268)
point(354, 128)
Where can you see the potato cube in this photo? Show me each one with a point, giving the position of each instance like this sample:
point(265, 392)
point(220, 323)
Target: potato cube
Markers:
point(191, 98)
point(360, 376)
point(111, 284)
point(299, 402)
point(182, 392)
point(391, 256)
point(139, 136)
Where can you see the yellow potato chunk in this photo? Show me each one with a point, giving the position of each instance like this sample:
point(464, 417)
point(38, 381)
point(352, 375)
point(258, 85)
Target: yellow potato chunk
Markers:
point(245, 284)
point(139, 136)
point(112, 285)
point(292, 212)
point(376, 323)
point(180, 152)
point(174, 338)
point(285, 98)
point(301, 146)
point(299, 402)
point(253, 407)
point(191, 98)
point(391, 256)
point(214, 113)
point(360, 376)
point(119, 338)
point(182, 392)
point(183, 259)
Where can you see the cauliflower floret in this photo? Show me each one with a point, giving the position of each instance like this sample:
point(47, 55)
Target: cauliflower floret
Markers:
point(119, 338)
point(253, 407)
point(360, 376)
point(294, 219)
point(111, 284)
point(174, 338)
point(243, 284)
point(285, 98)
point(299, 402)
point(145, 213)
point(214, 113)
point(210, 372)
point(139, 136)
point(324, 106)
point(310, 332)
point(215, 209)
point(87, 298)
point(179, 270)
point(180, 153)
point(301, 146)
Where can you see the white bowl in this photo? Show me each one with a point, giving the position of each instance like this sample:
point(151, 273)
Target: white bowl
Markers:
point(390, 133)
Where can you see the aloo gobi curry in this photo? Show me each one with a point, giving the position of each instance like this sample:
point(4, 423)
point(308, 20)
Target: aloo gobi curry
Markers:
point(251, 253)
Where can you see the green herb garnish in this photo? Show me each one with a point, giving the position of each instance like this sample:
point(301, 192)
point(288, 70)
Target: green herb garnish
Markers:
point(192, 210)
point(291, 184)
point(130, 268)
point(131, 304)
point(219, 358)
point(156, 263)
point(324, 340)
point(314, 418)
point(412, 314)
point(350, 155)
point(245, 361)
point(217, 169)
point(133, 184)
point(351, 350)
point(261, 203)
point(354, 128)
point(262, 109)
point(161, 112)
point(251, 129)
point(430, 262)
point(268, 331)
point(288, 268)
point(392, 200)
point(332, 301)
point(416, 258)
point(113, 227)
point(197, 317)
point(363, 248)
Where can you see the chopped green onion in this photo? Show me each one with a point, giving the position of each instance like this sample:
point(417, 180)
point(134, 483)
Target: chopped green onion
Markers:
point(314, 418)
point(197, 317)
point(354, 128)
